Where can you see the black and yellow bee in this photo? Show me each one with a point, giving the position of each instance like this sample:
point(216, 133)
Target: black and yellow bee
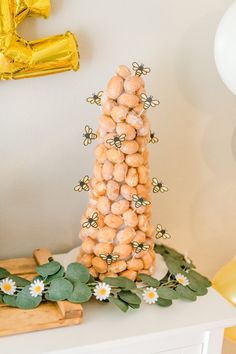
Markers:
point(96, 98)
point(116, 141)
point(148, 101)
point(153, 138)
point(140, 246)
point(109, 258)
point(158, 186)
point(89, 135)
point(161, 233)
point(83, 184)
point(140, 69)
point(139, 201)
point(91, 221)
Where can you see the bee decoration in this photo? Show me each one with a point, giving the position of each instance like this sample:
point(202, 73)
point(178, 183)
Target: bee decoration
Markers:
point(161, 233)
point(89, 135)
point(140, 69)
point(109, 258)
point(91, 221)
point(158, 186)
point(153, 138)
point(139, 201)
point(116, 141)
point(83, 185)
point(148, 101)
point(140, 246)
point(96, 98)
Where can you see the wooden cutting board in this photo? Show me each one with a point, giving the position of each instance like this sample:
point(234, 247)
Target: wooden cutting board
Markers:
point(45, 316)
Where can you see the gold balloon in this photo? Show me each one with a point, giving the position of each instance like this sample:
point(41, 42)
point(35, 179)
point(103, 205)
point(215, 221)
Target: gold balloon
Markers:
point(20, 58)
point(225, 283)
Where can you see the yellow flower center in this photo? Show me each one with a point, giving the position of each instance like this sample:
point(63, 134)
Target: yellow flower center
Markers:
point(181, 280)
point(37, 289)
point(102, 291)
point(7, 287)
point(151, 295)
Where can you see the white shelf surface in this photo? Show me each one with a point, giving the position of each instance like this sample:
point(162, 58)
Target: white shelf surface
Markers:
point(104, 325)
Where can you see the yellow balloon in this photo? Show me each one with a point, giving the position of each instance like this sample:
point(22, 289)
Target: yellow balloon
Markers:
point(20, 58)
point(225, 283)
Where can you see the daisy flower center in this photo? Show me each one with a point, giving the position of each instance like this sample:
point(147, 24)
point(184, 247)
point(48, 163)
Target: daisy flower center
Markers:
point(7, 287)
point(38, 289)
point(151, 295)
point(102, 291)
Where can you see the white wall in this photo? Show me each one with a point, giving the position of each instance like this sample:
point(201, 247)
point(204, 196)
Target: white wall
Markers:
point(42, 120)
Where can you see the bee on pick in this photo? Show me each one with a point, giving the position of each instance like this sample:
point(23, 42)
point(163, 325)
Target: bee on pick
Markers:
point(91, 221)
point(153, 138)
point(161, 233)
point(89, 135)
point(139, 201)
point(83, 185)
point(158, 186)
point(140, 246)
point(140, 69)
point(109, 258)
point(148, 101)
point(116, 141)
point(96, 98)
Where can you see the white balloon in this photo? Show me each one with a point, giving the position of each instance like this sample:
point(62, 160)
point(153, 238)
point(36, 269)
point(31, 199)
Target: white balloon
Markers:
point(225, 48)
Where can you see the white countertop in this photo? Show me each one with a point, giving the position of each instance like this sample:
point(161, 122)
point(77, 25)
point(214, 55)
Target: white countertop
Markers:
point(104, 323)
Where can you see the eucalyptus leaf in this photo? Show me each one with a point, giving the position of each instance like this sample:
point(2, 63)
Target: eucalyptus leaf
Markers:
point(49, 268)
point(173, 265)
point(201, 291)
point(20, 282)
point(60, 289)
point(77, 272)
point(147, 279)
point(134, 306)
point(58, 274)
point(129, 297)
point(167, 293)
point(9, 300)
point(3, 273)
point(81, 293)
point(163, 302)
point(1, 298)
point(186, 293)
point(123, 306)
point(25, 300)
point(203, 280)
point(120, 282)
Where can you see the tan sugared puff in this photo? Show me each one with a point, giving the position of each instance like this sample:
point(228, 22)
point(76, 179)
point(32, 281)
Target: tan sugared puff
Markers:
point(120, 172)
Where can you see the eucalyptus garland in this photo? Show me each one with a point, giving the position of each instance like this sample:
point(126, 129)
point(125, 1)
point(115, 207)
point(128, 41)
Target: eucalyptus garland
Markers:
point(75, 284)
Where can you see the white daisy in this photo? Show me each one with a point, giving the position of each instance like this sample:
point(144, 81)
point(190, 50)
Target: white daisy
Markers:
point(36, 288)
point(182, 279)
point(150, 295)
point(8, 286)
point(102, 291)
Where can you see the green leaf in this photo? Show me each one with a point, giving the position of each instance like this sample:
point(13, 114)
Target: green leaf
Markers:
point(10, 300)
point(147, 279)
point(1, 298)
point(3, 273)
point(120, 282)
point(58, 274)
point(129, 297)
point(60, 289)
point(77, 272)
point(24, 300)
point(134, 306)
point(201, 291)
point(173, 265)
point(167, 293)
point(123, 306)
point(186, 293)
point(200, 278)
point(19, 281)
point(163, 302)
point(81, 293)
point(49, 268)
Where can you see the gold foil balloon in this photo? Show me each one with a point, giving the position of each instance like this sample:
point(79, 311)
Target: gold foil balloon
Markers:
point(20, 58)
point(225, 283)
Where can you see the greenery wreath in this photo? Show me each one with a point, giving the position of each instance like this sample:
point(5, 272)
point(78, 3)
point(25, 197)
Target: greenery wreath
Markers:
point(76, 285)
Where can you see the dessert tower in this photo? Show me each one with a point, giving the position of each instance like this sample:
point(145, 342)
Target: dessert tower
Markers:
point(116, 231)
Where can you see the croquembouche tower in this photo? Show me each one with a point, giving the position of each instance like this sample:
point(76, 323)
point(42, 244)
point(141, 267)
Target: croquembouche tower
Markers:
point(116, 231)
